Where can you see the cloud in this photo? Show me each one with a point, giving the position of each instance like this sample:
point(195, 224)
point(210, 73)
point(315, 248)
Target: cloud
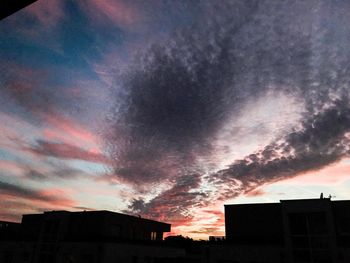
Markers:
point(256, 192)
point(38, 23)
point(24, 86)
point(50, 196)
point(203, 76)
point(40, 96)
point(114, 12)
point(66, 151)
point(321, 141)
point(17, 200)
point(33, 89)
point(172, 204)
point(193, 83)
point(332, 175)
point(206, 230)
point(61, 128)
point(46, 12)
point(173, 100)
point(47, 170)
point(181, 95)
point(10, 167)
point(34, 174)
point(55, 171)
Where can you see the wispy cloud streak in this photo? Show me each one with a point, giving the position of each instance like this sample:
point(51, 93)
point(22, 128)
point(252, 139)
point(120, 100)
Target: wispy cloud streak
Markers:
point(66, 151)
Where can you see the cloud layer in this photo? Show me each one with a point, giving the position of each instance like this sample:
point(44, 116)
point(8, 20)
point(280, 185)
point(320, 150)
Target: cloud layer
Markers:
point(173, 101)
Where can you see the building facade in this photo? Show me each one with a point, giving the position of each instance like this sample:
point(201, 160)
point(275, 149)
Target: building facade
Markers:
point(84, 237)
point(291, 231)
point(305, 230)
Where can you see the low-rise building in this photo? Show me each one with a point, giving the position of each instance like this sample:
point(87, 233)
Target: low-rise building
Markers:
point(305, 230)
point(291, 231)
point(84, 237)
point(91, 225)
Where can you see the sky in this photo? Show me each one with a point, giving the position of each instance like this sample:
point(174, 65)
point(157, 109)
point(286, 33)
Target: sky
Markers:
point(171, 109)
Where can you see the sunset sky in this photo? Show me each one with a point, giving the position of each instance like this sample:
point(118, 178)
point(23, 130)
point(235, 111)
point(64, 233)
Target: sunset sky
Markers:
point(171, 109)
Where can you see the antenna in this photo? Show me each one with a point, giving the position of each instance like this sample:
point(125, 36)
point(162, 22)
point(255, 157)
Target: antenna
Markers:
point(331, 196)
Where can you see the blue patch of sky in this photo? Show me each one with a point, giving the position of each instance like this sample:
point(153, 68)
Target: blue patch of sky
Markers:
point(78, 38)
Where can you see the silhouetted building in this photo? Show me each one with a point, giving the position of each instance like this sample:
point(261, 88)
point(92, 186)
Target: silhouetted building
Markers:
point(9, 230)
point(91, 226)
point(306, 230)
point(93, 236)
point(254, 223)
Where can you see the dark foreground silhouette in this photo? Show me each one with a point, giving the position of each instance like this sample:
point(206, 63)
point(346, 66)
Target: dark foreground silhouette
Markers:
point(306, 230)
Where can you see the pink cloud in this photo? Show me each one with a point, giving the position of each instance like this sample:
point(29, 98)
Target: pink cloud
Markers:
point(119, 12)
point(69, 131)
point(204, 222)
point(21, 79)
point(58, 197)
point(190, 211)
point(66, 151)
point(63, 138)
point(15, 131)
point(26, 87)
point(333, 174)
point(12, 208)
point(10, 167)
point(16, 200)
point(255, 193)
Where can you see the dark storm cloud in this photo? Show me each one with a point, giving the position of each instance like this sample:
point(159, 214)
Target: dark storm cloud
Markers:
point(176, 96)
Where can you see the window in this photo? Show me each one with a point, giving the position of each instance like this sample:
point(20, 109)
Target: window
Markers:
point(153, 235)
